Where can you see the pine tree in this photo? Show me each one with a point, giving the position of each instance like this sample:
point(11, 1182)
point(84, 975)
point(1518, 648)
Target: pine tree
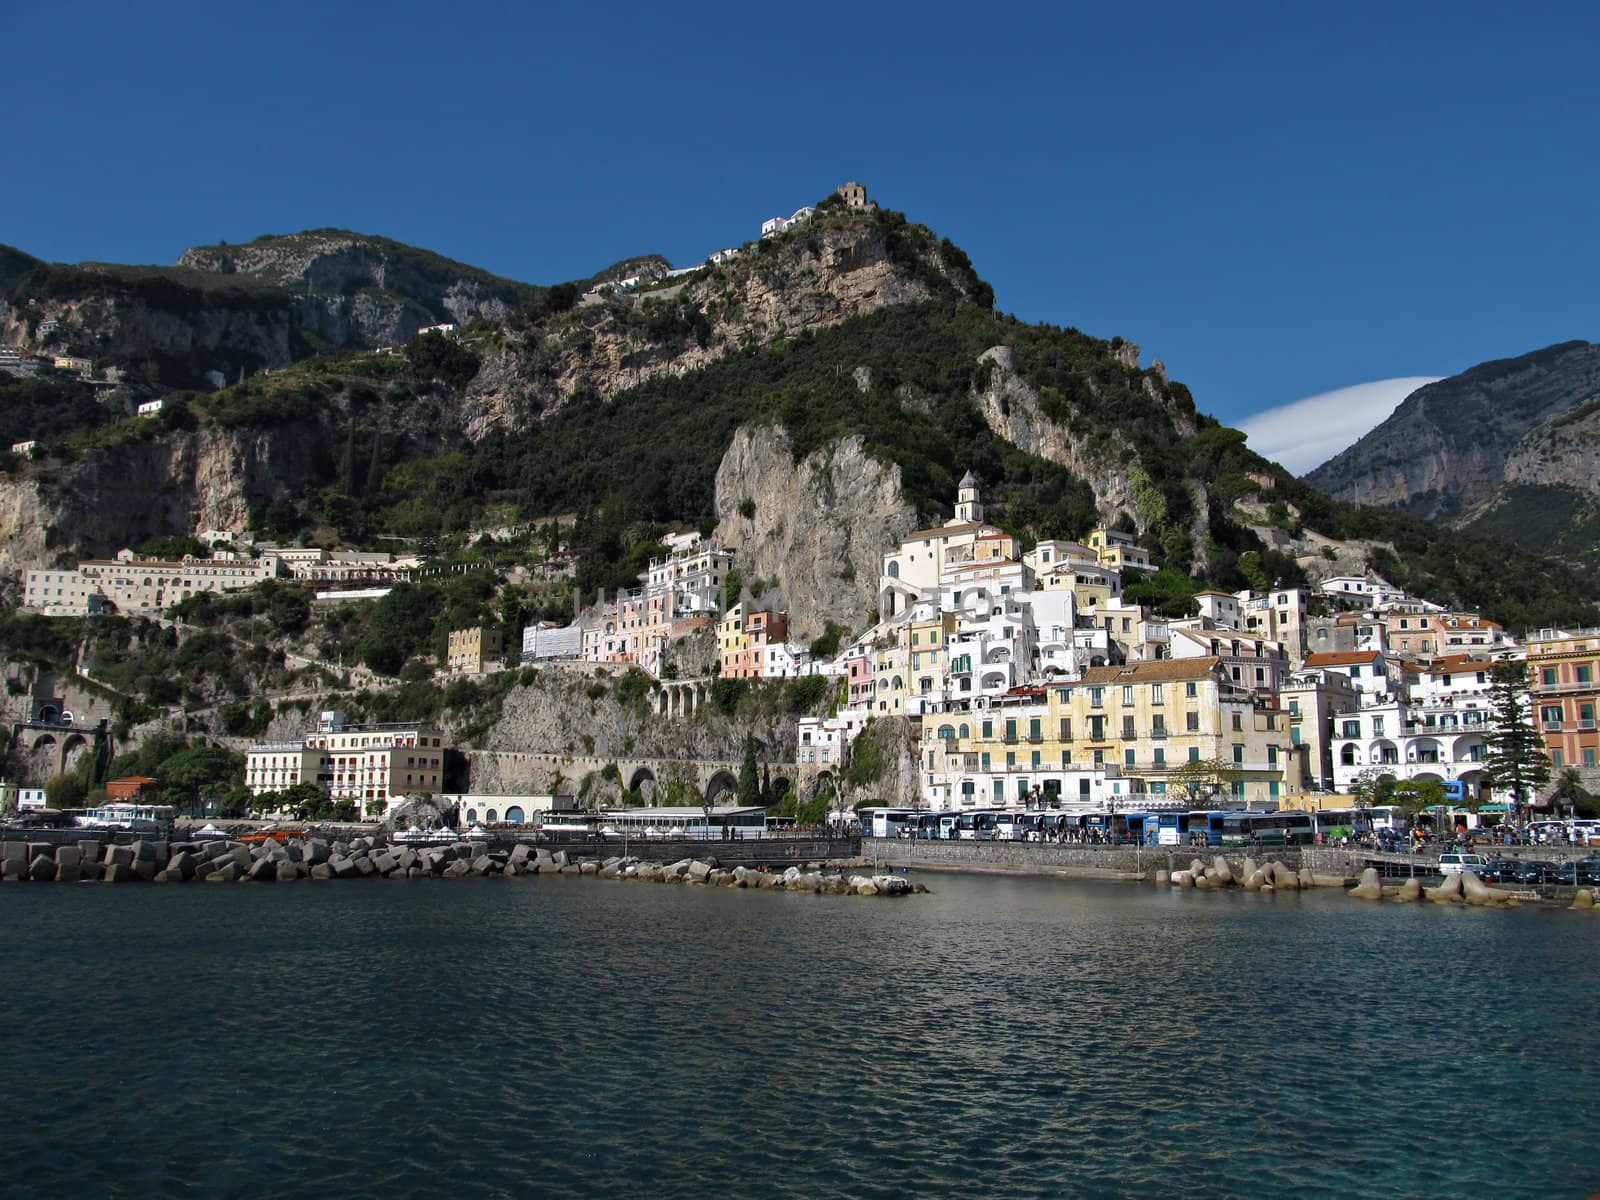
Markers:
point(1516, 761)
point(766, 786)
point(749, 778)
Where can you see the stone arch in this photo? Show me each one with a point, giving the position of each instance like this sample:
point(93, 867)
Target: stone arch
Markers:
point(780, 787)
point(515, 815)
point(722, 783)
point(73, 747)
point(640, 777)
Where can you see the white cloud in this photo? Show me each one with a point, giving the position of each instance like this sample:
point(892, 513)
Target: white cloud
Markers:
point(1307, 433)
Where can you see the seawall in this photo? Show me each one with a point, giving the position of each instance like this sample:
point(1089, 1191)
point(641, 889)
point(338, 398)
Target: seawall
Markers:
point(1088, 862)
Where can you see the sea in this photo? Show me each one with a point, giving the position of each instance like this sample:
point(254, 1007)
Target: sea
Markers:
point(1009, 1037)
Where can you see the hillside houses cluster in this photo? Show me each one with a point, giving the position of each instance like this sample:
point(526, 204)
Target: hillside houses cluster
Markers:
point(1030, 679)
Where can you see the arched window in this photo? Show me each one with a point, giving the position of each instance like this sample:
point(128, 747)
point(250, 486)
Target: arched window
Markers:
point(946, 732)
point(894, 569)
point(965, 731)
point(1347, 756)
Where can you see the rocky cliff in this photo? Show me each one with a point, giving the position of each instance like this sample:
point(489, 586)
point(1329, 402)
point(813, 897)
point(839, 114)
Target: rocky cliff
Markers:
point(1451, 446)
point(809, 280)
point(206, 478)
point(816, 529)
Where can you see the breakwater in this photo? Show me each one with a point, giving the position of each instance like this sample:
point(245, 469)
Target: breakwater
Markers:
point(320, 858)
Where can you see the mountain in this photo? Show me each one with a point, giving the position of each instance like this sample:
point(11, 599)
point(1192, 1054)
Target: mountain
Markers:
point(1511, 447)
point(808, 400)
point(263, 305)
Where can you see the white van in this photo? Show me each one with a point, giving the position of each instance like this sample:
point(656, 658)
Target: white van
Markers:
point(1454, 864)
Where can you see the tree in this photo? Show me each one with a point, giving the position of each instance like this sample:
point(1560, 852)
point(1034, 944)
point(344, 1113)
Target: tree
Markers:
point(65, 791)
point(1413, 797)
point(1373, 788)
point(1203, 779)
point(1571, 794)
point(1516, 761)
point(749, 776)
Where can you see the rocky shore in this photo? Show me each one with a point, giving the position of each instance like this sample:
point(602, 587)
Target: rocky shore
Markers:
point(224, 861)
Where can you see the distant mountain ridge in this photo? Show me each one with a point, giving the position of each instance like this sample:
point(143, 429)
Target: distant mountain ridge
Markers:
point(1458, 450)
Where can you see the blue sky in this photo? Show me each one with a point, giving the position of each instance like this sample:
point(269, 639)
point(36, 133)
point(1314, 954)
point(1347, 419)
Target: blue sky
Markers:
point(1277, 202)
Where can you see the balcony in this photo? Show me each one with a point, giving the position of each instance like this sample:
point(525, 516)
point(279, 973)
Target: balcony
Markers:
point(1159, 734)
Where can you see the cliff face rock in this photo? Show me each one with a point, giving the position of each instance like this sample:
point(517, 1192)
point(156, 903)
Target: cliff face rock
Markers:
point(819, 526)
point(186, 482)
point(813, 278)
point(1452, 445)
point(1011, 408)
point(350, 288)
point(131, 323)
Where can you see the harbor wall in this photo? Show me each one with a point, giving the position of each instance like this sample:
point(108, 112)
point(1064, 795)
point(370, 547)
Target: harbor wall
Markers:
point(1047, 858)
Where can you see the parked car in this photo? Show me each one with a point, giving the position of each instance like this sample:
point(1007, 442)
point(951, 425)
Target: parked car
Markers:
point(1578, 873)
point(1500, 870)
point(1536, 871)
point(1452, 863)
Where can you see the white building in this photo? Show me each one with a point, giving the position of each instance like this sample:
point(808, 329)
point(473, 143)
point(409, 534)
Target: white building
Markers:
point(368, 764)
point(547, 642)
point(133, 585)
point(151, 408)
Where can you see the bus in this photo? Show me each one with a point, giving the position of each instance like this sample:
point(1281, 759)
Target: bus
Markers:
point(886, 822)
point(1265, 829)
point(978, 826)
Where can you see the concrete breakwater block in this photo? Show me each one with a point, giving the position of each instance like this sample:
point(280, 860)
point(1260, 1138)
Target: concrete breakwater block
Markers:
point(1370, 886)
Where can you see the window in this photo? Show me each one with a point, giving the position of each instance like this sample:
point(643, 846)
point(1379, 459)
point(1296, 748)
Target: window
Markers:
point(1238, 753)
point(1157, 696)
point(1238, 721)
point(1377, 726)
point(1034, 760)
point(1097, 697)
point(1584, 675)
point(1191, 689)
point(1588, 756)
point(1191, 722)
point(1294, 708)
point(1127, 694)
point(988, 729)
point(1550, 714)
point(1011, 758)
point(1097, 729)
point(984, 760)
point(1548, 676)
point(1194, 753)
point(1350, 729)
point(1066, 729)
point(1161, 756)
point(1035, 733)
point(1555, 758)
point(1128, 758)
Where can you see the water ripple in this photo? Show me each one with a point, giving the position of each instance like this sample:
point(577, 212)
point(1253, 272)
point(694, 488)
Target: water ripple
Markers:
point(1018, 1038)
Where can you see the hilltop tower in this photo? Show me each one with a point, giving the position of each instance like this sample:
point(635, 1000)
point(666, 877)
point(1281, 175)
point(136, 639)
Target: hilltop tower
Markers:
point(969, 509)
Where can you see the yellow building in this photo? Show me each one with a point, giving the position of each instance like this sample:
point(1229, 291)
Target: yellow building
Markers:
point(1118, 737)
point(472, 651)
point(1119, 551)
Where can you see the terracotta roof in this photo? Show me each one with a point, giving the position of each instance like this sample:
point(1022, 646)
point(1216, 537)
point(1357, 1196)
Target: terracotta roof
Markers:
point(1155, 671)
point(1453, 662)
point(1343, 658)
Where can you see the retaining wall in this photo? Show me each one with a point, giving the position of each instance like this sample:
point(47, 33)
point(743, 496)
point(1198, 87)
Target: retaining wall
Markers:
point(1046, 858)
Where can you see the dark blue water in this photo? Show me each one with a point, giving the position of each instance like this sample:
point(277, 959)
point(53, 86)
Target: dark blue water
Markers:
point(566, 1036)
